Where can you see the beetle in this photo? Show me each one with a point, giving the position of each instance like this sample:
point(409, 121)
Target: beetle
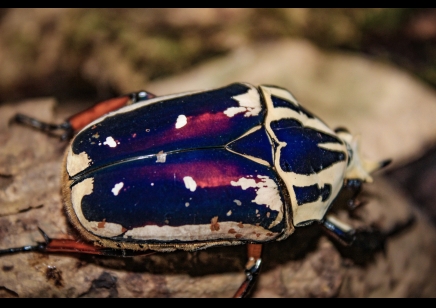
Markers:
point(234, 165)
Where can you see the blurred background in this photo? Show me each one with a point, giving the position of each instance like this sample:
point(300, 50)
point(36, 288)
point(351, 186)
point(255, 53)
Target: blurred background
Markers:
point(370, 70)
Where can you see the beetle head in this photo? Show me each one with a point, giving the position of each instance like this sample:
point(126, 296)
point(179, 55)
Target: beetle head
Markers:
point(358, 168)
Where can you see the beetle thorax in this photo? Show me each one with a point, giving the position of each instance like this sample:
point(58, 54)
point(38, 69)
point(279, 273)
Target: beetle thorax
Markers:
point(309, 156)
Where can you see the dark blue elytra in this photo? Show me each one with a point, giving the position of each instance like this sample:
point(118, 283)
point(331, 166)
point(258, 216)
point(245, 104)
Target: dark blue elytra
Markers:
point(161, 198)
point(209, 149)
point(151, 128)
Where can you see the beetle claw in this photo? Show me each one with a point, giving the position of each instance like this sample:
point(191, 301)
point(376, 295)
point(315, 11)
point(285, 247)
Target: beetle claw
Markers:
point(354, 203)
point(47, 239)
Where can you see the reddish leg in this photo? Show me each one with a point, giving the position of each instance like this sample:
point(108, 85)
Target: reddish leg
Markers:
point(72, 246)
point(252, 269)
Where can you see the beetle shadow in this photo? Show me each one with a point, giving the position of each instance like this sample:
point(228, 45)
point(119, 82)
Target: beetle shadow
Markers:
point(371, 239)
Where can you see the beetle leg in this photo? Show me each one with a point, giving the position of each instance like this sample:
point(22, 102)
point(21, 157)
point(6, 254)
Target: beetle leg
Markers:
point(340, 231)
point(368, 239)
point(83, 118)
point(355, 187)
point(71, 246)
point(45, 127)
point(252, 269)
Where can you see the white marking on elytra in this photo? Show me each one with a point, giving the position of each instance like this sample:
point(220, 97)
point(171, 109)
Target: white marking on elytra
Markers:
point(267, 193)
point(117, 188)
point(161, 157)
point(229, 213)
point(187, 204)
point(237, 202)
point(110, 142)
point(181, 121)
point(231, 111)
point(249, 102)
point(152, 184)
point(190, 183)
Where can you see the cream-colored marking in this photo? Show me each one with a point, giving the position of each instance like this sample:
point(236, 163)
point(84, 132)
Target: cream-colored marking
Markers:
point(181, 121)
point(190, 183)
point(109, 229)
point(229, 213)
point(152, 184)
point(333, 175)
point(77, 162)
point(200, 232)
point(255, 159)
point(249, 103)
point(332, 146)
point(282, 93)
point(187, 204)
point(110, 142)
point(161, 157)
point(78, 191)
point(280, 113)
point(344, 227)
point(237, 202)
point(266, 193)
point(117, 188)
point(249, 132)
